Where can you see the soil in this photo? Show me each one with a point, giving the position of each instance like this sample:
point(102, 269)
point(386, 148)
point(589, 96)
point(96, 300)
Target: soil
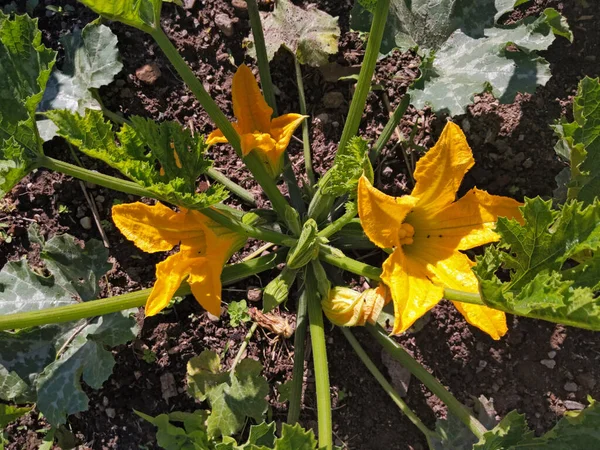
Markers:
point(513, 148)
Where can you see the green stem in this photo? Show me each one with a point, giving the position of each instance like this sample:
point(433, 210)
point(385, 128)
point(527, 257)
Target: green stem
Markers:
point(319, 351)
point(310, 174)
point(363, 86)
point(388, 130)
point(298, 370)
point(231, 274)
point(415, 368)
point(233, 187)
point(261, 55)
point(335, 257)
point(214, 112)
point(247, 338)
point(130, 187)
point(387, 387)
point(341, 222)
point(117, 184)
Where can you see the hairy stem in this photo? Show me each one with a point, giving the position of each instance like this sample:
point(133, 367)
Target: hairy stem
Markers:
point(363, 86)
point(243, 347)
point(415, 368)
point(231, 274)
point(299, 349)
point(387, 387)
point(319, 351)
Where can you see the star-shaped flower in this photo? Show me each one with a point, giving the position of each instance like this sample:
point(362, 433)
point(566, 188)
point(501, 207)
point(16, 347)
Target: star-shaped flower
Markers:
point(258, 132)
point(428, 230)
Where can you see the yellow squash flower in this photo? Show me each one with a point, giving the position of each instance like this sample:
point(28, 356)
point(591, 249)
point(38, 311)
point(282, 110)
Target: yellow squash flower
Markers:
point(427, 231)
point(204, 248)
point(269, 138)
point(346, 307)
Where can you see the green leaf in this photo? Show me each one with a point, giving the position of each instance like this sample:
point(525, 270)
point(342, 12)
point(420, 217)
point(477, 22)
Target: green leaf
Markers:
point(10, 413)
point(232, 397)
point(579, 142)
point(142, 14)
point(59, 391)
point(306, 248)
point(25, 64)
point(75, 273)
point(535, 254)
point(295, 438)
point(311, 34)
point(164, 158)
point(349, 165)
point(91, 61)
point(576, 430)
point(171, 437)
point(238, 313)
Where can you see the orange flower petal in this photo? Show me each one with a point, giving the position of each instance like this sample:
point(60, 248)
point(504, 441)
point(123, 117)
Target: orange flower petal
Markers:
point(412, 292)
point(467, 223)
point(205, 283)
point(216, 137)
point(283, 127)
point(381, 215)
point(455, 272)
point(169, 275)
point(249, 106)
point(154, 228)
point(257, 141)
point(440, 171)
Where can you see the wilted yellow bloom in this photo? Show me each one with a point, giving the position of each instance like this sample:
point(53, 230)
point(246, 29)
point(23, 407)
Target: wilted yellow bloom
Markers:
point(428, 229)
point(258, 132)
point(348, 308)
point(204, 248)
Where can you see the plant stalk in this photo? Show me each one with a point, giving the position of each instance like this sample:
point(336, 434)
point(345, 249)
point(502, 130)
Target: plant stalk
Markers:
point(389, 128)
point(363, 86)
point(387, 387)
point(232, 186)
point(298, 371)
point(243, 347)
point(310, 174)
point(340, 223)
point(319, 351)
point(231, 274)
point(415, 368)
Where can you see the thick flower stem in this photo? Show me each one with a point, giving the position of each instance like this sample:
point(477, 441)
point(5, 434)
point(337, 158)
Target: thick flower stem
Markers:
point(130, 187)
point(388, 130)
point(363, 86)
point(76, 311)
point(310, 174)
point(298, 370)
point(387, 387)
point(255, 166)
point(339, 223)
point(415, 368)
point(317, 338)
point(334, 257)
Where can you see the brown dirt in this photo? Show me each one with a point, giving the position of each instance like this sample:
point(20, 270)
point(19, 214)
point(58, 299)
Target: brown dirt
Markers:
point(513, 147)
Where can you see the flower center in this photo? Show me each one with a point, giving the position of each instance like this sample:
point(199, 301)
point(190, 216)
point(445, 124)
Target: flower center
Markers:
point(406, 234)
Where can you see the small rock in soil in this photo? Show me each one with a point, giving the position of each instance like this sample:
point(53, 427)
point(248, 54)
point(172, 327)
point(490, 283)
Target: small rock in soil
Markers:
point(333, 100)
point(254, 294)
point(572, 405)
point(110, 412)
point(571, 387)
point(549, 363)
point(167, 386)
point(240, 5)
point(212, 317)
point(148, 73)
point(188, 4)
point(225, 24)
point(86, 223)
point(551, 354)
point(323, 118)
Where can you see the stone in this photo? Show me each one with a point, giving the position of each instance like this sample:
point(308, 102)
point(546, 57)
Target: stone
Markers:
point(225, 24)
point(86, 223)
point(240, 5)
point(572, 405)
point(148, 73)
point(571, 387)
point(528, 163)
point(323, 118)
point(399, 375)
point(254, 294)
point(110, 412)
point(551, 354)
point(167, 386)
point(333, 100)
point(586, 380)
point(188, 4)
point(549, 363)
